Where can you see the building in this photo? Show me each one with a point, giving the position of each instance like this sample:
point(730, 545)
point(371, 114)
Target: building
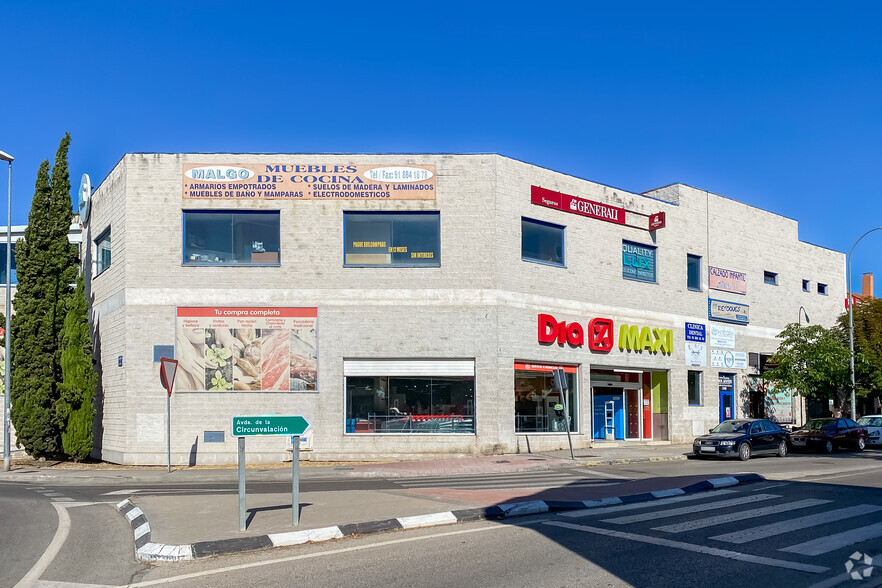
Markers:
point(415, 305)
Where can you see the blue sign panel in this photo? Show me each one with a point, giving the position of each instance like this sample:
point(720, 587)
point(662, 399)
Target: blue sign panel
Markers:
point(728, 312)
point(695, 332)
point(638, 261)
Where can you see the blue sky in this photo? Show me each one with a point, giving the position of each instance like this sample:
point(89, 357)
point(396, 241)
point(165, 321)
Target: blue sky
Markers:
point(776, 104)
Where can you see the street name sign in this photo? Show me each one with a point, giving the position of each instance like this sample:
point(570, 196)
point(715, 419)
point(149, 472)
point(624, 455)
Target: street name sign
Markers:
point(247, 426)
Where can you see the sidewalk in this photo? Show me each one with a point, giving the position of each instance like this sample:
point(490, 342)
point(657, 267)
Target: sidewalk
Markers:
point(179, 527)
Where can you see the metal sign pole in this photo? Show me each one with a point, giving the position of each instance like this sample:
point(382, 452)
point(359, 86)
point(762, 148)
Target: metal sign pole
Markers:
point(168, 428)
point(295, 480)
point(241, 483)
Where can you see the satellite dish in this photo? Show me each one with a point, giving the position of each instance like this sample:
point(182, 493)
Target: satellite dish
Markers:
point(85, 197)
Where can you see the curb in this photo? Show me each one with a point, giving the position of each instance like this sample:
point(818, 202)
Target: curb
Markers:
point(148, 551)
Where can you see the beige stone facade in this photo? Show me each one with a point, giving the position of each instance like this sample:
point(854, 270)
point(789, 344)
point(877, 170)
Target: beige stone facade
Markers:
point(482, 304)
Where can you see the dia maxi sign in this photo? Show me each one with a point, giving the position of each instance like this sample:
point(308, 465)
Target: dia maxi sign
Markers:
point(252, 426)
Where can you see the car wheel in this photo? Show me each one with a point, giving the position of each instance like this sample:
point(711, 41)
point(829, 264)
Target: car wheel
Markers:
point(828, 447)
point(744, 452)
point(861, 444)
point(782, 449)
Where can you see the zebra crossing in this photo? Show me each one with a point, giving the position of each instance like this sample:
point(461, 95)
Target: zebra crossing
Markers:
point(759, 526)
point(528, 479)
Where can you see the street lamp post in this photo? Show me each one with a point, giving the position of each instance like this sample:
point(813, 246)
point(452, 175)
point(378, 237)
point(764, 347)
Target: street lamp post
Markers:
point(851, 323)
point(6, 333)
point(802, 311)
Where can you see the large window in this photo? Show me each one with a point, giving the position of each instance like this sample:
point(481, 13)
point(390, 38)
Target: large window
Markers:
point(392, 239)
point(694, 388)
point(102, 252)
point(693, 272)
point(231, 238)
point(542, 242)
point(539, 407)
point(12, 277)
point(399, 402)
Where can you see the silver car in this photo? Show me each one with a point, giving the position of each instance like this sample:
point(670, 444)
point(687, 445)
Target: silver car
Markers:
point(873, 423)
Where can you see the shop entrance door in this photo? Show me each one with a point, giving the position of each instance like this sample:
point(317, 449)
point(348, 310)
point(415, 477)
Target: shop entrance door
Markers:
point(727, 396)
point(601, 397)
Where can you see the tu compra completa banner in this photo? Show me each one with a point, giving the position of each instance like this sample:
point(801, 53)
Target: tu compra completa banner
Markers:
point(246, 349)
point(297, 181)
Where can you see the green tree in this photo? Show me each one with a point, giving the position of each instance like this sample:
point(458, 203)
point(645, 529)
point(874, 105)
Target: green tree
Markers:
point(812, 361)
point(74, 410)
point(867, 345)
point(46, 267)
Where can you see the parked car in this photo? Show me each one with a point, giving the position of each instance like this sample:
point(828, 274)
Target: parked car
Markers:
point(829, 434)
point(873, 423)
point(742, 438)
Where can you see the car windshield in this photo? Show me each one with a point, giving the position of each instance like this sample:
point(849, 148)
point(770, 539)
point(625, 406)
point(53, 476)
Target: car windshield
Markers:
point(871, 421)
point(818, 425)
point(732, 427)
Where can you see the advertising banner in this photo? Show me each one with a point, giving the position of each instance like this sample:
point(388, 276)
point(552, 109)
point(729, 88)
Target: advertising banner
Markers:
point(722, 336)
point(695, 332)
point(728, 312)
point(729, 359)
point(696, 354)
point(726, 280)
point(246, 349)
point(638, 261)
point(314, 181)
point(576, 205)
point(778, 401)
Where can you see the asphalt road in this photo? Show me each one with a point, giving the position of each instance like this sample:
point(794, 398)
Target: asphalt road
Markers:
point(679, 547)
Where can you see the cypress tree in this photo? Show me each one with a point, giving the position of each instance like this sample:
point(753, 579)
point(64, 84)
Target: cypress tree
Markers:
point(74, 410)
point(46, 267)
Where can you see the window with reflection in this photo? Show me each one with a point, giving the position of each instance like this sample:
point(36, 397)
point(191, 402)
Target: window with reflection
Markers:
point(392, 239)
point(102, 252)
point(542, 242)
point(231, 238)
point(12, 277)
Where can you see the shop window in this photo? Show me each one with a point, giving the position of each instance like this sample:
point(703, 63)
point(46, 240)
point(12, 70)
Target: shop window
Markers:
point(392, 239)
point(536, 400)
point(822, 289)
point(770, 278)
point(542, 242)
point(805, 285)
point(231, 238)
point(13, 279)
point(694, 388)
point(693, 272)
point(102, 252)
point(638, 261)
point(410, 404)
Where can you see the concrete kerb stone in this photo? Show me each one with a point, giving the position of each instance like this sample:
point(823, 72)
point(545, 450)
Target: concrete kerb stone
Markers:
point(147, 550)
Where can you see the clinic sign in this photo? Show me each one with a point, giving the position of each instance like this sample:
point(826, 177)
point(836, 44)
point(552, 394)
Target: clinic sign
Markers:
point(728, 312)
point(285, 180)
point(726, 280)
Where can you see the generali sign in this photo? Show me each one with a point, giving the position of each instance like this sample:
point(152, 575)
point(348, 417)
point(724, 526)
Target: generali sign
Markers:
point(600, 335)
point(576, 205)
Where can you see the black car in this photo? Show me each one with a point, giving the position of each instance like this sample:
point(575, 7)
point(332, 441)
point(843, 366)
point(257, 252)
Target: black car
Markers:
point(829, 434)
point(742, 438)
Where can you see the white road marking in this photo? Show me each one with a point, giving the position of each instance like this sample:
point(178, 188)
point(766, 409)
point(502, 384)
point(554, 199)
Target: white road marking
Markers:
point(603, 474)
point(765, 561)
point(588, 512)
point(770, 486)
point(120, 492)
point(773, 529)
point(51, 551)
point(53, 584)
point(674, 512)
point(740, 516)
point(837, 541)
point(167, 491)
point(258, 564)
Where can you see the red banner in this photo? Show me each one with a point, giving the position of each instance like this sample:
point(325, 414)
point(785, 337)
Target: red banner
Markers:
point(576, 205)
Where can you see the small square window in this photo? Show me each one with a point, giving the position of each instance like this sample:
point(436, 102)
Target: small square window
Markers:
point(770, 278)
point(694, 388)
point(805, 285)
point(822, 289)
point(693, 272)
point(542, 242)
